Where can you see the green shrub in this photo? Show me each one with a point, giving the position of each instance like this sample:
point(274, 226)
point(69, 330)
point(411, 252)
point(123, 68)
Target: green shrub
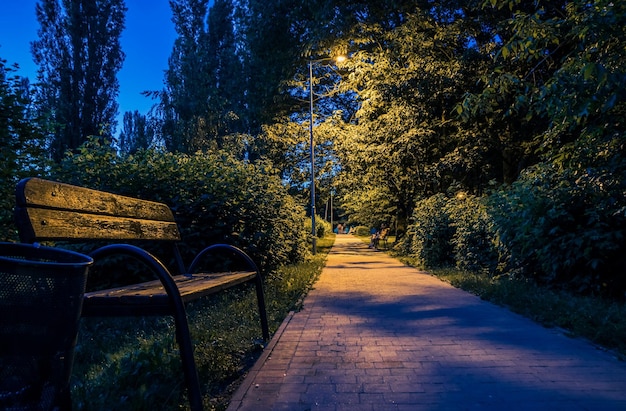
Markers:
point(565, 227)
point(215, 197)
point(473, 241)
point(429, 236)
point(450, 231)
point(362, 231)
point(323, 227)
point(559, 226)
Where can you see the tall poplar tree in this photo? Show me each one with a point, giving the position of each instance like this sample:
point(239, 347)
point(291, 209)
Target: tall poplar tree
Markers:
point(227, 41)
point(186, 125)
point(79, 55)
point(204, 99)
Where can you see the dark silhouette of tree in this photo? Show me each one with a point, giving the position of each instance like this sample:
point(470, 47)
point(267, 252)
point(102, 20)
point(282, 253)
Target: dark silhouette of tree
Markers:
point(22, 145)
point(79, 55)
point(137, 132)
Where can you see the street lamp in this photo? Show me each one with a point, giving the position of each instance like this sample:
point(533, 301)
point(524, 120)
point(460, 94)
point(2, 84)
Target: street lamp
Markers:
point(338, 59)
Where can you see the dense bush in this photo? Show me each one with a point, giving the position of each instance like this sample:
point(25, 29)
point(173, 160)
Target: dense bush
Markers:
point(560, 226)
point(215, 198)
point(452, 231)
point(322, 227)
point(429, 236)
point(474, 241)
point(566, 227)
point(362, 231)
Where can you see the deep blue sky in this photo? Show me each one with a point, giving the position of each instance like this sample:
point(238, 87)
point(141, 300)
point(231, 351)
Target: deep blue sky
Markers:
point(147, 41)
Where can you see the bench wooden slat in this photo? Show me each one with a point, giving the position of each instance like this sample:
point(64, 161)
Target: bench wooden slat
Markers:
point(52, 224)
point(149, 298)
point(48, 194)
point(190, 287)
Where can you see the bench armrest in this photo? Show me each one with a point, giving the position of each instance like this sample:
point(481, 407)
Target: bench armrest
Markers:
point(210, 249)
point(253, 267)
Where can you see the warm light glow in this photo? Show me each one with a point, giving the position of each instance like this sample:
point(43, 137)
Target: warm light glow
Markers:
point(340, 59)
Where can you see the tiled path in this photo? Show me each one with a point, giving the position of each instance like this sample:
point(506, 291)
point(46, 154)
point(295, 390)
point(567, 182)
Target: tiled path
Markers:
point(376, 335)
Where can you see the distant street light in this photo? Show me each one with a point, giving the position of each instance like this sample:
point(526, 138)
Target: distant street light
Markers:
point(338, 59)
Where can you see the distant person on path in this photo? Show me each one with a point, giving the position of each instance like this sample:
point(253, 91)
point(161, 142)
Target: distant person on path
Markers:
point(375, 236)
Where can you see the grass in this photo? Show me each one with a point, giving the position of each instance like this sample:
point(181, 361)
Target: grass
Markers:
point(133, 363)
point(601, 321)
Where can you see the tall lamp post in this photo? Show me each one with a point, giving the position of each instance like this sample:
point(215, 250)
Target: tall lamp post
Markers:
point(338, 59)
point(312, 153)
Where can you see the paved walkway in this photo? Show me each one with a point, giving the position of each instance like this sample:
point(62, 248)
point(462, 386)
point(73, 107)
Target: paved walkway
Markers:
point(375, 335)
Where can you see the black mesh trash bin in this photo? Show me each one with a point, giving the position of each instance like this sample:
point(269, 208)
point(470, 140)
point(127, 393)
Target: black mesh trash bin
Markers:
point(41, 296)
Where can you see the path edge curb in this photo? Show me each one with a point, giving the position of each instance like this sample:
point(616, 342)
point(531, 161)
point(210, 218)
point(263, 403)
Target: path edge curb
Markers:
point(240, 393)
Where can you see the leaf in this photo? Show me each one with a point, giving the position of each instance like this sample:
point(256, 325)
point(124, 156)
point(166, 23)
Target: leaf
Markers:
point(588, 71)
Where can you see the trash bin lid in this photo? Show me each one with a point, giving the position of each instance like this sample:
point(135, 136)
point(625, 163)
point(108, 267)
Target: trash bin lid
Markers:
point(35, 254)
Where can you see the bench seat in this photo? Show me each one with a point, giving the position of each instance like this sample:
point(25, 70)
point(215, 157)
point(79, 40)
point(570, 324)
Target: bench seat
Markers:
point(150, 298)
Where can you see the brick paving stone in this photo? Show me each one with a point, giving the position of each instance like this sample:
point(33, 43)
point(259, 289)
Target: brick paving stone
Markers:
point(376, 335)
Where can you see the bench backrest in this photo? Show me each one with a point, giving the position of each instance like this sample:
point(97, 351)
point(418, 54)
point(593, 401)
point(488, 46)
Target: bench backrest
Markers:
point(48, 210)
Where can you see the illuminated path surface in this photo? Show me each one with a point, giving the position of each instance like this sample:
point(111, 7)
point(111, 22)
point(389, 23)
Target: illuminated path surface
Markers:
point(376, 335)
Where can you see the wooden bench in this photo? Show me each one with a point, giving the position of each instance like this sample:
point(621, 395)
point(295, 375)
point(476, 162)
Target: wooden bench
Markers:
point(47, 210)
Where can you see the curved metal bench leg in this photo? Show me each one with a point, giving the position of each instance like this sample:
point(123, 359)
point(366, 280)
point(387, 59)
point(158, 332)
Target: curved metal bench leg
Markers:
point(260, 297)
point(183, 336)
point(185, 345)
